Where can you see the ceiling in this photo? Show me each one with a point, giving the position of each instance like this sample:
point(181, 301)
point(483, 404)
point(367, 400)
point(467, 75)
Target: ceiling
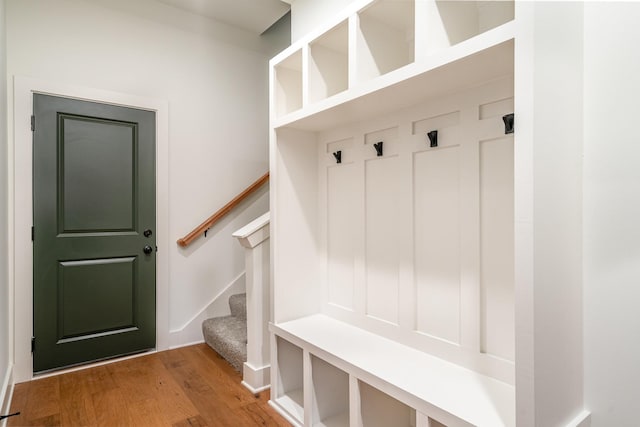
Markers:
point(252, 15)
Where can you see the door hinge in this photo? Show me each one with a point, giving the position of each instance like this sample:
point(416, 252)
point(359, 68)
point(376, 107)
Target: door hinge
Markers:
point(33, 233)
point(33, 344)
point(33, 123)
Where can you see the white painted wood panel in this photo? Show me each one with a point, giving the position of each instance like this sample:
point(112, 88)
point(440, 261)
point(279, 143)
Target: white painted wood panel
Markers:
point(497, 252)
point(497, 240)
point(295, 217)
point(343, 214)
point(423, 126)
point(408, 224)
point(436, 202)
point(382, 242)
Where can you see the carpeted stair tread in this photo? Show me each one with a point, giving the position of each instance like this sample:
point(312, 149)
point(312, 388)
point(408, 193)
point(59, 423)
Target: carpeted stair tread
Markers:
point(238, 305)
point(228, 336)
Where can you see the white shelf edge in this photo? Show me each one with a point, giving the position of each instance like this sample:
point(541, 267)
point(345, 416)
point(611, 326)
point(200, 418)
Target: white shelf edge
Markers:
point(472, 46)
point(433, 386)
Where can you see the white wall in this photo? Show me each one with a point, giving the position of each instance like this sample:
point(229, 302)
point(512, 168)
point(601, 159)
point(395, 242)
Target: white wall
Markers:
point(5, 340)
point(306, 15)
point(612, 213)
point(214, 78)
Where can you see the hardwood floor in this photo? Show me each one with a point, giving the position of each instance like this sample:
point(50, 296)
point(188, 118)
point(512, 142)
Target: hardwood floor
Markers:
point(186, 387)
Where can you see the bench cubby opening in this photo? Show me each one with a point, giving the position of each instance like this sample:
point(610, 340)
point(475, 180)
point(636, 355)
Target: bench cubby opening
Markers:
point(378, 409)
point(289, 390)
point(330, 394)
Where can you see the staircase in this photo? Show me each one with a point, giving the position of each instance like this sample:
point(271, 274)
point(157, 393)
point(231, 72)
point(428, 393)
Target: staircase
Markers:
point(227, 335)
point(243, 337)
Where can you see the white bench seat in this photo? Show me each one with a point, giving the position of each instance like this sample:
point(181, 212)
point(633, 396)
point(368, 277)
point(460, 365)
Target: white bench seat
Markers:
point(447, 392)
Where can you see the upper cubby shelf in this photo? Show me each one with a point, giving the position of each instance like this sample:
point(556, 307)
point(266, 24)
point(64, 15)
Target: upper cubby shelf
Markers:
point(385, 38)
point(329, 63)
point(382, 55)
point(288, 84)
point(451, 22)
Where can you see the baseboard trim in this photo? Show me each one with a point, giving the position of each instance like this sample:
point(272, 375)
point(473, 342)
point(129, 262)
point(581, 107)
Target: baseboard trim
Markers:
point(187, 344)
point(582, 420)
point(6, 394)
point(191, 331)
point(255, 390)
point(256, 379)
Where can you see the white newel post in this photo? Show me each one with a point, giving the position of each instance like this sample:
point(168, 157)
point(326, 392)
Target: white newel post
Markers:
point(255, 239)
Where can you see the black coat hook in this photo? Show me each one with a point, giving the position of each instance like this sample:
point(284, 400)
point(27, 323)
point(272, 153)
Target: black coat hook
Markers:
point(378, 147)
point(508, 123)
point(433, 138)
point(338, 156)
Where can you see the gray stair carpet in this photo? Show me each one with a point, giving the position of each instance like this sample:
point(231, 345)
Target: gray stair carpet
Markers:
point(227, 335)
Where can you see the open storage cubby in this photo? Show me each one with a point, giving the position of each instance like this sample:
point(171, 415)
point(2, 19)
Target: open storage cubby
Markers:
point(288, 84)
point(378, 409)
point(289, 389)
point(385, 38)
point(330, 394)
point(451, 22)
point(329, 63)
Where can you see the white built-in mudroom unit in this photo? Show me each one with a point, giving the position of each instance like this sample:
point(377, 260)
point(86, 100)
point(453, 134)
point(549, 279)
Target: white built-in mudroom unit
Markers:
point(403, 209)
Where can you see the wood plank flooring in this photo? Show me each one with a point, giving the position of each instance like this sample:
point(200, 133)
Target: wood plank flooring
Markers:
point(186, 387)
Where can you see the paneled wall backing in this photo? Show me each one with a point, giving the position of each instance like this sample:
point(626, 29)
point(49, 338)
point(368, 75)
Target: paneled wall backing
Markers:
point(419, 240)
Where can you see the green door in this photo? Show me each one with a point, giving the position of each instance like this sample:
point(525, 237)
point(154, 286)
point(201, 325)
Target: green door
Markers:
point(94, 259)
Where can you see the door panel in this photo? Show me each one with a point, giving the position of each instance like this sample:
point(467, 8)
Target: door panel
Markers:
point(90, 167)
point(96, 296)
point(94, 195)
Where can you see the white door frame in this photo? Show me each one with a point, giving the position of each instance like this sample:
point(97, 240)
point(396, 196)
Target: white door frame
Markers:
point(21, 217)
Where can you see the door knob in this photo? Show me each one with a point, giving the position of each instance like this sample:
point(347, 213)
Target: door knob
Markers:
point(147, 249)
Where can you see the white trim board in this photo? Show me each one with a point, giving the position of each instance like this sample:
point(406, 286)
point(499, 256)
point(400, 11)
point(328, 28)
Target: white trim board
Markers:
point(20, 192)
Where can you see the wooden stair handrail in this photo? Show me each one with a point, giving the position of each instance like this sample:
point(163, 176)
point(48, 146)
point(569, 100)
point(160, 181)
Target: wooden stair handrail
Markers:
point(202, 228)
